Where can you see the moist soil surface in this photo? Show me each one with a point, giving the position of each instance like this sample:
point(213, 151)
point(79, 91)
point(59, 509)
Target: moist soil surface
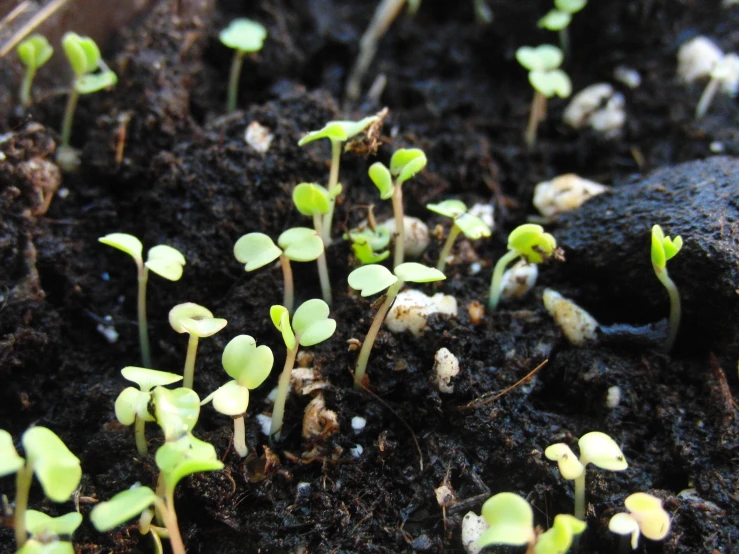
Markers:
point(162, 162)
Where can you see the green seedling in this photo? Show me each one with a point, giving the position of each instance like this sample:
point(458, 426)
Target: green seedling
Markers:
point(370, 247)
point(723, 75)
point(372, 279)
point(244, 36)
point(34, 52)
point(310, 325)
point(84, 57)
point(337, 132)
point(470, 225)
point(299, 244)
point(50, 535)
point(316, 201)
point(249, 365)
point(595, 448)
point(511, 522)
point(56, 468)
point(176, 460)
point(664, 249)
point(404, 164)
point(546, 79)
point(199, 323)
point(646, 516)
point(176, 411)
point(527, 241)
point(163, 260)
point(560, 17)
point(132, 405)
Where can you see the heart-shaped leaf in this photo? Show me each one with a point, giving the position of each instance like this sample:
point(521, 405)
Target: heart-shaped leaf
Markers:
point(301, 244)
point(231, 399)
point(371, 279)
point(56, 467)
point(176, 411)
point(35, 51)
point(542, 58)
point(256, 250)
point(510, 518)
point(166, 262)
point(311, 322)
point(311, 199)
point(39, 524)
point(551, 83)
point(406, 162)
point(472, 226)
point(532, 243)
point(246, 362)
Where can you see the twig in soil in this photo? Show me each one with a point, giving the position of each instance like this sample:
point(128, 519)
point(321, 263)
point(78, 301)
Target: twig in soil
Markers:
point(485, 398)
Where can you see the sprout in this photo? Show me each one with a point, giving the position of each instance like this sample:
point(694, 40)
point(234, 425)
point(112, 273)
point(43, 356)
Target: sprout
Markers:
point(404, 164)
point(595, 448)
point(132, 405)
point(370, 245)
point(371, 279)
point(559, 19)
point(543, 63)
point(249, 365)
point(176, 411)
point(310, 325)
point(50, 535)
point(34, 52)
point(646, 516)
point(472, 226)
point(199, 323)
point(162, 260)
point(299, 244)
point(56, 468)
point(725, 73)
point(527, 241)
point(337, 132)
point(664, 249)
point(244, 36)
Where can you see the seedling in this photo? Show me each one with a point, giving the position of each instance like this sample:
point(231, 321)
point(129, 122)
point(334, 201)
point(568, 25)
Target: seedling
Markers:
point(199, 323)
point(370, 247)
point(596, 448)
point(664, 249)
point(244, 36)
point(559, 19)
point(176, 411)
point(84, 57)
point(34, 52)
point(546, 79)
point(527, 241)
point(299, 244)
point(132, 405)
point(162, 260)
point(404, 164)
point(724, 74)
point(647, 516)
point(50, 535)
point(337, 132)
point(472, 226)
point(310, 325)
point(249, 365)
point(373, 278)
point(56, 468)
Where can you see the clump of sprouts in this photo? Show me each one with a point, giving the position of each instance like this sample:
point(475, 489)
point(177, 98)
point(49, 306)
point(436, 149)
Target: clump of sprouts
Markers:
point(244, 36)
point(198, 322)
point(664, 249)
point(463, 222)
point(646, 517)
point(33, 52)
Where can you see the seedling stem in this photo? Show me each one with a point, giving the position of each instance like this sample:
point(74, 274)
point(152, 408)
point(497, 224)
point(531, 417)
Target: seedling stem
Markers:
point(283, 388)
point(537, 115)
point(23, 480)
point(333, 180)
point(233, 80)
point(69, 114)
point(189, 372)
point(495, 286)
point(399, 250)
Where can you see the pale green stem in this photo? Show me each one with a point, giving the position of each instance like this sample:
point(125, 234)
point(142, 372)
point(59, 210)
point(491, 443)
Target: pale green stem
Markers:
point(156, 537)
point(140, 432)
point(322, 265)
point(497, 281)
point(399, 252)
point(66, 134)
point(333, 180)
point(706, 98)
point(288, 297)
point(580, 496)
point(170, 522)
point(240, 436)
point(453, 234)
point(233, 80)
point(143, 320)
point(564, 41)
point(283, 387)
point(374, 329)
point(674, 307)
point(25, 94)
point(189, 373)
point(536, 116)
point(22, 487)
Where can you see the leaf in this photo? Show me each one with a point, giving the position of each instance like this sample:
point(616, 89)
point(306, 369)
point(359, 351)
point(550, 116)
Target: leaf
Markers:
point(176, 411)
point(10, 461)
point(231, 399)
point(542, 58)
point(311, 199)
point(183, 457)
point(472, 226)
point(601, 450)
point(256, 250)
point(406, 162)
point(311, 322)
point(625, 524)
point(249, 364)
point(371, 279)
point(558, 539)
point(35, 51)
point(510, 518)
point(301, 244)
point(418, 273)
point(365, 253)
point(39, 524)
point(55, 466)
point(551, 83)
point(532, 243)
point(195, 319)
point(659, 260)
point(570, 6)
point(339, 130)
point(123, 506)
point(147, 379)
point(71, 43)
point(132, 403)
point(35, 546)
point(569, 466)
point(244, 35)
point(555, 20)
point(449, 208)
point(166, 262)
point(382, 179)
point(281, 319)
point(125, 242)
point(87, 84)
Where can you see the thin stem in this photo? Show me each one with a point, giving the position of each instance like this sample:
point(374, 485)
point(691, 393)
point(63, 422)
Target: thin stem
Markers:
point(143, 321)
point(374, 329)
point(580, 496)
point(706, 98)
point(564, 41)
point(240, 436)
point(140, 432)
point(322, 265)
point(189, 373)
point(675, 310)
point(497, 281)
point(288, 297)
point(399, 252)
point(233, 80)
point(536, 116)
point(283, 387)
point(333, 180)
point(22, 487)
point(170, 522)
point(444, 254)
point(25, 94)
point(69, 114)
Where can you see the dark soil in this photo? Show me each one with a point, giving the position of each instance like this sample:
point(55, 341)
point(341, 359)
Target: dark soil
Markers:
point(188, 179)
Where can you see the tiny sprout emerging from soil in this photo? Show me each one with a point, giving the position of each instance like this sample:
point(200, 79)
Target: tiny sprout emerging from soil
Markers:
point(463, 222)
point(132, 405)
point(559, 19)
point(595, 448)
point(546, 79)
point(310, 325)
point(34, 52)
point(244, 36)
point(664, 249)
point(249, 365)
point(56, 468)
point(370, 246)
point(372, 279)
point(724, 74)
point(647, 516)
point(50, 535)
point(299, 244)
point(404, 164)
point(199, 323)
point(162, 260)
point(527, 241)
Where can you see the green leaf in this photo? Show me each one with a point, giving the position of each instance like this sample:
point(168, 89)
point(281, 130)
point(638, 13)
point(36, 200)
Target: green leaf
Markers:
point(659, 260)
point(301, 244)
point(82, 52)
point(256, 250)
point(311, 199)
point(40, 525)
point(558, 539)
point(195, 320)
point(472, 226)
point(123, 506)
point(176, 411)
point(449, 208)
point(183, 457)
point(125, 242)
point(55, 466)
point(35, 51)
point(244, 35)
point(132, 403)
point(405, 163)
point(364, 251)
point(371, 279)
point(570, 6)
point(672, 246)
point(87, 84)
point(10, 461)
point(311, 322)
point(231, 399)
point(246, 362)
point(555, 20)
point(418, 273)
point(601, 450)
point(34, 546)
point(542, 58)
point(166, 262)
point(532, 243)
point(147, 379)
point(510, 518)
point(281, 319)
point(382, 179)
point(551, 83)
point(339, 130)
